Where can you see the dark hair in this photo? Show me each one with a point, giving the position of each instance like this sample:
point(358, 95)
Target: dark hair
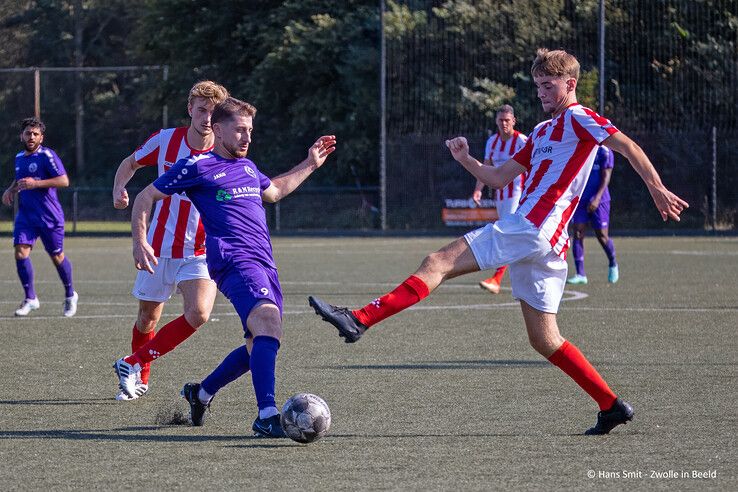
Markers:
point(33, 123)
point(231, 107)
point(506, 108)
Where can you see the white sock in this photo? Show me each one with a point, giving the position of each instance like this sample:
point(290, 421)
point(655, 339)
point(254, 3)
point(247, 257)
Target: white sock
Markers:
point(204, 396)
point(267, 412)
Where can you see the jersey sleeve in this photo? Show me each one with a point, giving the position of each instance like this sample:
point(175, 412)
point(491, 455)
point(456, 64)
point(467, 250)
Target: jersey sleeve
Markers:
point(182, 176)
point(148, 153)
point(264, 181)
point(524, 155)
point(608, 157)
point(588, 125)
point(488, 148)
point(54, 166)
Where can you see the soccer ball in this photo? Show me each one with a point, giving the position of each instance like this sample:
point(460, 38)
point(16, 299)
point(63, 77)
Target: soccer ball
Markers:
point(305, 418)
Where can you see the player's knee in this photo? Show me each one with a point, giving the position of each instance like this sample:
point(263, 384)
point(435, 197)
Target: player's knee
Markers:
point(541, 344)
point(57, 259)
point(146, 321)
point(433, 263)
point(197, 317)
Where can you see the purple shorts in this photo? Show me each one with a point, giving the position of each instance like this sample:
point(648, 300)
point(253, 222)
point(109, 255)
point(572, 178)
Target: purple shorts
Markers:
point(245, 285)
point(51, 237)
point(599, 219)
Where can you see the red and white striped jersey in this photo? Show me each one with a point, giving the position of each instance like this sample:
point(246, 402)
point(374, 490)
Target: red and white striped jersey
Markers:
point(500, 151)
point(176, 230)
point(558, 156)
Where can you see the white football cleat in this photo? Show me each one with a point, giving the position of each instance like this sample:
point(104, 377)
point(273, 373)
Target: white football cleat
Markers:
point(70, 305)
point(27, 306)
point(141, 390)
point(128, 376)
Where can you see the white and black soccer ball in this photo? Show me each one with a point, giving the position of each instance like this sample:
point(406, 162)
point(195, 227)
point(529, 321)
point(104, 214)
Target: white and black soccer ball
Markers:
point(305, 417)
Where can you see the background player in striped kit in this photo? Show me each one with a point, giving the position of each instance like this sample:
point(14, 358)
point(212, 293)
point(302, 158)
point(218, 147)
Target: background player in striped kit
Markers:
point(558, 157)
point(594, 208)
point(38, 172)
point(177, 237)
point(499, 148)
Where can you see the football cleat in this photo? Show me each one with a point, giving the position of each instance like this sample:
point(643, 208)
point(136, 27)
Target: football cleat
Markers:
point(70, 305)
point(577, 280)
point(141, 390)
point(613, 274)
point(128, 376)
point(619, 413)
point(348, 326)
point(197, 408)
point(27, 306)
point(270, 427)
point(490, 285)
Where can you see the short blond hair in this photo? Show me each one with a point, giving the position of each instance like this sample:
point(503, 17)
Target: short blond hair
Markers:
point(207, 89)
point(556, 63)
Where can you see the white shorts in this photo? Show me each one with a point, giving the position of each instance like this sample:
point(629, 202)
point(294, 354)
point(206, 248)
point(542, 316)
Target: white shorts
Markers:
point(537, 274)
point(508, 206)
point(160, 285)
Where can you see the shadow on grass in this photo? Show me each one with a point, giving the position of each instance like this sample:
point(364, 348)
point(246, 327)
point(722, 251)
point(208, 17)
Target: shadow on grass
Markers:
point(121, 435)
point(454, 364)
point(61, 401)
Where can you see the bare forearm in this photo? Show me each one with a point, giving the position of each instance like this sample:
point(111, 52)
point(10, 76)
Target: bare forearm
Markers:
point(486, 175)
point(287, 183)
point(57, 182)
point(125, 172)
point(140, 217)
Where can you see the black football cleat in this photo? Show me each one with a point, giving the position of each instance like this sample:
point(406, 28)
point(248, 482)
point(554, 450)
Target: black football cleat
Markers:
point(619, 413)
point(348, 326)
point(197, 408)
point(270, 427)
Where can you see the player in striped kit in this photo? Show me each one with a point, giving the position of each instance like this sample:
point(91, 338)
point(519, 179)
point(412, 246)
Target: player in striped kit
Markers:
point(177, 237)
point(558, 158)
point(499, 148)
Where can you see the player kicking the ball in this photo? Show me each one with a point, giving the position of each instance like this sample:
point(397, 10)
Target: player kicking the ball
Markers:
point(228, 190)
point(533, 241)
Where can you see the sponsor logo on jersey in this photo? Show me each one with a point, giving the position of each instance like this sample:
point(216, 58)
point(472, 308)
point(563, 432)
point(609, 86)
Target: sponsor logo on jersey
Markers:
point(223, 196)
point(543, 150)
point(32, 167)
point(249, 171)
point(219, 175)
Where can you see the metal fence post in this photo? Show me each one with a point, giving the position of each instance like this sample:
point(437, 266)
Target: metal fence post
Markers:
point(713, 191)
point(74, 209)
point(277, 216)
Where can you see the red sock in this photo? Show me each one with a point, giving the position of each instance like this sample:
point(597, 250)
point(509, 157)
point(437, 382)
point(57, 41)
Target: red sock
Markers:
point(138, 340)
point(170, 335)
point(406, 294)
point(500, 273)
point(569, 359)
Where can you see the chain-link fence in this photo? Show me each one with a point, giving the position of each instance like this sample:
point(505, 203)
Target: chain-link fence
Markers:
point(671, 72)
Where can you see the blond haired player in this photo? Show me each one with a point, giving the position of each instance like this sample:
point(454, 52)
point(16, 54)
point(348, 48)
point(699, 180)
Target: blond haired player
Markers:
point(499, 148)
point(558, 157)
point(176, 235)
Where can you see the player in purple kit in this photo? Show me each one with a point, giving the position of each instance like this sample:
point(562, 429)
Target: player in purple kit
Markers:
point(594, 208)
point(229, 191)
point(38, 172)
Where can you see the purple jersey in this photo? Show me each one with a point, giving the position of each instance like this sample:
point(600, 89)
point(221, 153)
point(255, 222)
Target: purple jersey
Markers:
point(40, 206)
point(605, 159)
point(227, 192)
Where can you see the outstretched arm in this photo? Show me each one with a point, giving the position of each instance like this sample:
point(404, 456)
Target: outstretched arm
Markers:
point(286, 183)
point(494, 177)
point(667, 203)
point(143, 253)
point(605, 175)
point(123, 175)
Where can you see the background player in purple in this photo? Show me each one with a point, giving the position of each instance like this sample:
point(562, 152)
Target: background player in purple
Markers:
point(594, 208)
point(38, 172)
point(229, 191)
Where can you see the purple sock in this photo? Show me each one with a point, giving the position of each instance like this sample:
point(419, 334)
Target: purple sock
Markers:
point(263, 363)
point(65, 274)
point(609, 248)
point(578, 250)
point(25, 274)
point(235, 365)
